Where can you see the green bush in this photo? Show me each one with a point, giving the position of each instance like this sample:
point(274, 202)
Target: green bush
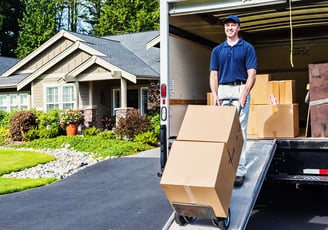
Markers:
point(49, 132)
point(155, 124)
point(4, 136)
point(108, 135)
point(4, 119)
point(149, 138)
point(20, 123)
point(133, 124)
point(47, 125)
point(93, 131)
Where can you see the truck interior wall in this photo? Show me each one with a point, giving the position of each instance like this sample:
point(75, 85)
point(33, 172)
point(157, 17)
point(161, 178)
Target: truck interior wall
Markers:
point(276, 61)
point(189, 78)
point(189, 74)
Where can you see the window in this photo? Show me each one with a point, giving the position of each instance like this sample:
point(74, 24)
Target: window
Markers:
point(60, 97)
point(144, 100)
point(14, 101)
point(52, 100)
point(68, 97)
point(23, 98)
point(116, 100)
point(132, 99)
point(3, 102)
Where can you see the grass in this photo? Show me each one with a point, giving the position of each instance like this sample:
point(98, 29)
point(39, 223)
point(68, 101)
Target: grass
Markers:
point(13, 160)
point(16, 160)
point(99, 145)
point(10, 185)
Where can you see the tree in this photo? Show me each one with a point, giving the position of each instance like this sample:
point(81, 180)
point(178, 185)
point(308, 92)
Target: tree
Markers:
point(126, 16)
point(78, 15)
point(37, 26)
point(10, 12)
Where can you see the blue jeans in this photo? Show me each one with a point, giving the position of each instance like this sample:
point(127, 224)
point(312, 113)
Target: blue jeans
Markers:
point(233, 93)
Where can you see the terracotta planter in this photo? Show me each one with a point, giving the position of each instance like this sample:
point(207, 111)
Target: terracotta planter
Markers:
point(71, 129)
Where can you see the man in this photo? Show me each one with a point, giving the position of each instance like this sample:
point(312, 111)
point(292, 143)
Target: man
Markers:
point(233, 67)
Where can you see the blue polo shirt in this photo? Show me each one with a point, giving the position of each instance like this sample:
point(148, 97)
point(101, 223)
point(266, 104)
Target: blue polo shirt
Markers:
point(232, 62)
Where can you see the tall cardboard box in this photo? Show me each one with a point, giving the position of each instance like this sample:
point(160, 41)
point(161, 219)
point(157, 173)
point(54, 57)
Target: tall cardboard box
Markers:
point(200, 173)
point(318, 77)
point(203, 161)
point(277, 121)
point(212, 124)
point(259, 93)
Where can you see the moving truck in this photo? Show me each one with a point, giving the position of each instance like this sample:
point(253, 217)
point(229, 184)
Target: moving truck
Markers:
point(291, 41)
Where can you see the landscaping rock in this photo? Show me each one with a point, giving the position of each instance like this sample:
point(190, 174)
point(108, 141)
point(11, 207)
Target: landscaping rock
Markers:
point(67, 163)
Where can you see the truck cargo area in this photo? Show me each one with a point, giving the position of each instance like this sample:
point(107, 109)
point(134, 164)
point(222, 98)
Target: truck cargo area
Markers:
point(291, 41)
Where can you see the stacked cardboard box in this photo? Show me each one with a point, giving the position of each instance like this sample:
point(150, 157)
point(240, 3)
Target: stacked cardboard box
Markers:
point(273, 111)
point(203, 161)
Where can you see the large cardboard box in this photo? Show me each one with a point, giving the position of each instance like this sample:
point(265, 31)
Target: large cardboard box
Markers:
point(200, 173)
point(209, 97)
point(212, 124)
point(252, 122)
point(277, 121)
point(283, 91)
point(287, 92)
point(259, 93)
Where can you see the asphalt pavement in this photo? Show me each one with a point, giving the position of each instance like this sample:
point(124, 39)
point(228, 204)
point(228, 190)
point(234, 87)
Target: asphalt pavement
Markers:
point(122, 193)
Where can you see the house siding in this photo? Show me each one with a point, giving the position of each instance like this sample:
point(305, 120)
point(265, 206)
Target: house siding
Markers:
point(47, 55)
point(69, 63)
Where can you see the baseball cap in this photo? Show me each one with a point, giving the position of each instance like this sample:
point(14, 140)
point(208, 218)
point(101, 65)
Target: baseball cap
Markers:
point(231, 18)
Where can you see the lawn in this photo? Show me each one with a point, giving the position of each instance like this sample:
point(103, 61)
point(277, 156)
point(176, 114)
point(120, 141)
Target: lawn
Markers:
point(12, 160)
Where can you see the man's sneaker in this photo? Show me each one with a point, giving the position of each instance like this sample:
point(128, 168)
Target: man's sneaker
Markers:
point(239, 181)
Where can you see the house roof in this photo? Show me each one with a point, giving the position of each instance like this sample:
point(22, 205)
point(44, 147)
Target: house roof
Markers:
point(129, 47)
point(6, 63)
point(127, 53)
point(137, 44)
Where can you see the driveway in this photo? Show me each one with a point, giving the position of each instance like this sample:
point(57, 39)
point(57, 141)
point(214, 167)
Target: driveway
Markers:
point(122, 193)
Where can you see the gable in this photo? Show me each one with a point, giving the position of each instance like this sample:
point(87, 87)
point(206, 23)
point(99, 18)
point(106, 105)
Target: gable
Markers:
point(46, 55)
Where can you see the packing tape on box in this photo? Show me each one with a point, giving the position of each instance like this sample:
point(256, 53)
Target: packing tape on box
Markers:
point(190, 194)
point(319, 102)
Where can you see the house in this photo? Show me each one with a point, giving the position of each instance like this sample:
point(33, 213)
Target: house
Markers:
point(100, 76)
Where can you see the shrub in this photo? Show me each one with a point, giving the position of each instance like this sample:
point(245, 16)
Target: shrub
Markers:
point(155, 123)
point(4, 119)
point(147, 138)
point(93, 131)
point(20, 123)
point(153, 94)
point(4, 136)
point(133, 124)
point(108, 122)
point(108, 135)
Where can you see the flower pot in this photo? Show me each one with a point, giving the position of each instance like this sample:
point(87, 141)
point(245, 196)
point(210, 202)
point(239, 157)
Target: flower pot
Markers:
point(71, 129)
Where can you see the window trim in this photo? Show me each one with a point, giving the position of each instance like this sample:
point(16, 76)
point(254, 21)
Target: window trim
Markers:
point(60, 95)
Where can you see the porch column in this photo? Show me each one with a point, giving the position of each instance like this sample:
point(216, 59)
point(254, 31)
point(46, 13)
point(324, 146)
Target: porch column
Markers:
point(124, 93)
point(77, 92)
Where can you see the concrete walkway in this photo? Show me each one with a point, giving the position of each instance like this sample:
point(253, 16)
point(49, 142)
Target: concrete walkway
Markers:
point(122, 193)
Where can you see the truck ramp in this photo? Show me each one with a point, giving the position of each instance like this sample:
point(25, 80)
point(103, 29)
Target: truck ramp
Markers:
point(259, 156)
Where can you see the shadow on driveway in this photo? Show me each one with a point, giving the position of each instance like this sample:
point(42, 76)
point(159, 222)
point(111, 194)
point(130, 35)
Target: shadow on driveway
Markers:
point(122, 193)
